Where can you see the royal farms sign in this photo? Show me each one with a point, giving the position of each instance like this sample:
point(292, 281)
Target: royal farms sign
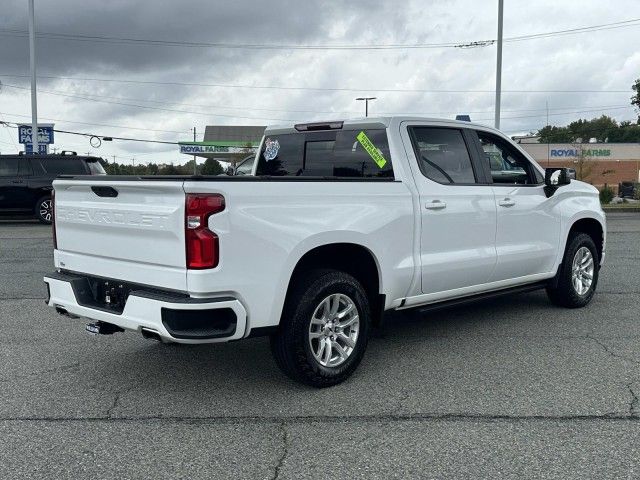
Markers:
point(575, 152)
point(200, 148)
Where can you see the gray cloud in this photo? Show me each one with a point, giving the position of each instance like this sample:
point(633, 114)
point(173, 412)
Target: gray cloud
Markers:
point(600, 60)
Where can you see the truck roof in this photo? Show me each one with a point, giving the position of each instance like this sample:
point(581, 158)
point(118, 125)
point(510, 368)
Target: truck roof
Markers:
point(374, 122)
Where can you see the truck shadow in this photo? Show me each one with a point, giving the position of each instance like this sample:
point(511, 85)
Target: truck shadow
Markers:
point(247, 365)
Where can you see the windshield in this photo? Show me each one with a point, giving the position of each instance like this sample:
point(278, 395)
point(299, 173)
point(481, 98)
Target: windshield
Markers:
point(95, 167)
point(246, 166)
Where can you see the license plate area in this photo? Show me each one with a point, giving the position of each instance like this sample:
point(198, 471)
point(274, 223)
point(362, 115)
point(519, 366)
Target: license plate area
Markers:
point(106, 294)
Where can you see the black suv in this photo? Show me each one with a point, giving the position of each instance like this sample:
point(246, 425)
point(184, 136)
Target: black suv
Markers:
point(25, 180)
point(626, 189)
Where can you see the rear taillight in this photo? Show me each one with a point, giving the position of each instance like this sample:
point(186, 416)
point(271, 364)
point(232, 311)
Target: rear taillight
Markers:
point(202, 246)
point(53, 219)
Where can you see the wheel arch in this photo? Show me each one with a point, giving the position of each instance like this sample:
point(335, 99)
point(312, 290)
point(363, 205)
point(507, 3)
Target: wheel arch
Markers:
point(41, 194)
point(592, 227)
point(352, 258)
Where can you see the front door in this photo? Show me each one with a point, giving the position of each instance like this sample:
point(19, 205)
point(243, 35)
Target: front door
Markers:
point(528, 228)
point(458, 212)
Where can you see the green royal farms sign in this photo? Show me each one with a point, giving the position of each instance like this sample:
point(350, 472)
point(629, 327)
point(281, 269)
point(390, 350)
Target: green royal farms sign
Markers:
point(195, 148)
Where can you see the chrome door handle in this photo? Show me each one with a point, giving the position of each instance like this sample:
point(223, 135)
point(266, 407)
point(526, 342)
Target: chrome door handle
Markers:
point(435, 205)
point(17, 181)
point(506, 202)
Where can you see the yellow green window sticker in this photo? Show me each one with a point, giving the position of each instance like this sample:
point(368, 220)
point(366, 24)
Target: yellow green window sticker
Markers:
point(374, 153)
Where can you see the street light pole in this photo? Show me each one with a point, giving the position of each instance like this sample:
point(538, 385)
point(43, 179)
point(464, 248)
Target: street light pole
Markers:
point(366, 104)
point(32, 63)
point(499, 65)
point(195, 168)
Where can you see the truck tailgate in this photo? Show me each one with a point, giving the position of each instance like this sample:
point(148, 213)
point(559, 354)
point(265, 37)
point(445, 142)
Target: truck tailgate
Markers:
point(122, 229)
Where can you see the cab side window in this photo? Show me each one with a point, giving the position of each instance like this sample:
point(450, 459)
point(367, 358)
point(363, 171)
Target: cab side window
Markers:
point(8, 167)
point(442, 155)
point(24, 168)
point(508, 166)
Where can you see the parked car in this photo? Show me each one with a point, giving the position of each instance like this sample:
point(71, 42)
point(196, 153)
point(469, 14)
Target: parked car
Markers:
point(244, 167)
point(342, 221)
point(26, 181)
point(626, 189)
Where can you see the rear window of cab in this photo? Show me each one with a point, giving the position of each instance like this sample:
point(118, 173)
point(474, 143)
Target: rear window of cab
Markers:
point(331, 153)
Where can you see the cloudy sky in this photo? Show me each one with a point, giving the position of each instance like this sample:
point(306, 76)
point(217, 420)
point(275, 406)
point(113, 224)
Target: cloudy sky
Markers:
point(153, 70)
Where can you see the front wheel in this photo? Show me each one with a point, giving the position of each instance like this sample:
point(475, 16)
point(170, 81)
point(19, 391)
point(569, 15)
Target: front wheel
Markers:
point(44, 210)
point(577, 275)
point(324, 329)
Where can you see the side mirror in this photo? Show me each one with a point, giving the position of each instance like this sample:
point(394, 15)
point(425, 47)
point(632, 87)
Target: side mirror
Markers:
point(230, 170)
point(556, 177)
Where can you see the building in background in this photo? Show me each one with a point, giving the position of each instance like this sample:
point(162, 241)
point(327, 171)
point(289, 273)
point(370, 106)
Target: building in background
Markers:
point(225, 143)
point(600, 163)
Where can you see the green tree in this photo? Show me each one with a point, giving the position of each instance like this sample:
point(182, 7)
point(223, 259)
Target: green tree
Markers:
point(170, 169)
point(603, 129)
point(211, 167)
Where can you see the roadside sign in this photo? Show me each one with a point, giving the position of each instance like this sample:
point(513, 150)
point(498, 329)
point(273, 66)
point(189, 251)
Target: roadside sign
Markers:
point(43, 148)
point(196, 148)
point(45, 133)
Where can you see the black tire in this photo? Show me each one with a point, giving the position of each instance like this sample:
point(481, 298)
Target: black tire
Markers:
point(562, 291)
point(44, 210)
point(291, 345)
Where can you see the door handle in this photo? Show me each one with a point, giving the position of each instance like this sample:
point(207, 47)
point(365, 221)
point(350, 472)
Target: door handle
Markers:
point(17, 181)
point(506, 202)
point(436, 205)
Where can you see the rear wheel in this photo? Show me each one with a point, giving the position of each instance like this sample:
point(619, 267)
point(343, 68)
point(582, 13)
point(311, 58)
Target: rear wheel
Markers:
point(324, 329)
point(44, 210)
point(577, 275)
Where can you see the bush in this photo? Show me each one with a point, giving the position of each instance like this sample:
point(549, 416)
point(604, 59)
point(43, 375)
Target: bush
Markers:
point(606, 194)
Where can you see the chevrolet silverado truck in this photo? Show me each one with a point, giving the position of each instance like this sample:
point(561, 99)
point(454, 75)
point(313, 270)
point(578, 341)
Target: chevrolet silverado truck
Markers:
point(338, 223)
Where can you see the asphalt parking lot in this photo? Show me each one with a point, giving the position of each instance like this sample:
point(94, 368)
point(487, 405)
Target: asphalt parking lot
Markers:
point(507, 388)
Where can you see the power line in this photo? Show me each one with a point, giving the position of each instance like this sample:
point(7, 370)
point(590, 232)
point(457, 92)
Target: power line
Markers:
point(593, 28)
point(10, 136)
point(264, 46)
point(278, 87)
point(89, 135)
point(100, 124)
point(595, 109)
point(559, 113)
point(173, 110)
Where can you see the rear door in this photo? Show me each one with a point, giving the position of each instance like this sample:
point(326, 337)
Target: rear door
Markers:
point(528, 228)
point(14, 194)
point(122, 229)
point(458, 213)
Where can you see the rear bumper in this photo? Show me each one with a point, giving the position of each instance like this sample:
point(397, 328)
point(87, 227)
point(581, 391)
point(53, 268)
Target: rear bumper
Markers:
point(180, 319)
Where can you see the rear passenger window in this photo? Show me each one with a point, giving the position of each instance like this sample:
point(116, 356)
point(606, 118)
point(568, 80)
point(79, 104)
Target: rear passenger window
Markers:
point(337, 153)
point(63, 166)
point(8, 167)
point(24, 168)
point(442, 155)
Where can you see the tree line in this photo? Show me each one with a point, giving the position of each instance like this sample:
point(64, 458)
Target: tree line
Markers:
point(603, 129)
point(209, 167)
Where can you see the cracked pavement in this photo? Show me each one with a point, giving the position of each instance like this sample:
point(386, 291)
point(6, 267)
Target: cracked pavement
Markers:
point(508, 388)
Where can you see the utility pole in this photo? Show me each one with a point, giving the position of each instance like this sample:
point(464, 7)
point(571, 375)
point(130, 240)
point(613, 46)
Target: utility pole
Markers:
point(499, 64)
point(195, 165)
point(32, 63)
point(548, 152)
point(366, 104)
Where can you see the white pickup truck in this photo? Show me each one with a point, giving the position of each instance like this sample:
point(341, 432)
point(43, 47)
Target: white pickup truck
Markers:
point(339, 222)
